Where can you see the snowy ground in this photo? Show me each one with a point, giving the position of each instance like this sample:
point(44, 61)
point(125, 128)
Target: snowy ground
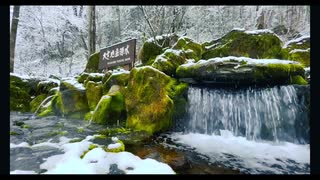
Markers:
point(96, 161)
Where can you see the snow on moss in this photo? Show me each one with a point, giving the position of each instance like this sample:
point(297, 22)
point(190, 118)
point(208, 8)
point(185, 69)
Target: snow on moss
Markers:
point(298, 40)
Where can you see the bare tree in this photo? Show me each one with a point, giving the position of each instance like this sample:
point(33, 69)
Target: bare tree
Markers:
point(92, 30)
point(13, 34)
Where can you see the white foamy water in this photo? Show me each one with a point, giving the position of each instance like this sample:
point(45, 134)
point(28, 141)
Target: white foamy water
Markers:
point(249, 156)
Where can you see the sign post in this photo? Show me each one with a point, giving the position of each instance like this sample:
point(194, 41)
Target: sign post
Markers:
point(118, 54)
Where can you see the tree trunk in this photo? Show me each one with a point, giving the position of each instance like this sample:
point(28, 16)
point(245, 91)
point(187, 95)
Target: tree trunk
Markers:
point(13, 34)
point(92, 30)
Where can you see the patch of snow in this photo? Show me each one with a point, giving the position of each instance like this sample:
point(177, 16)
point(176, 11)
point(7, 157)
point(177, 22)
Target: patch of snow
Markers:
point(114, 146)
point(120, 71)
point(25, 77)
point(158, 38)
point(97, 161)
point(299, 50)
point(259, 31)
point(22, 172)
point(307, 69)
point(174, 51)
point(238, 29)
point(249, 60)
point(23, 144)
point(114, 139)
point(300, 39)
point(74, 83)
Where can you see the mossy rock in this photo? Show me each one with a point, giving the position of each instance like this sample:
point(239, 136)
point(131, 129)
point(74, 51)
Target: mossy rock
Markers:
point(149, 100)
point(110, 110)
point(93, 93)
point(118, 146)
point(264, 45)
point(121, 79)
point(93, 63)
point(298, 80)
point(70, 101)
point(35, 103)
point(234, 71)
point(298, 50)
point(20, 97)
point(150, 49)
point(191, 49)
point(106, 76)
point(82, 77)
point(44, 87)
point(299, 43)
point(168, 61)
point(95, 77)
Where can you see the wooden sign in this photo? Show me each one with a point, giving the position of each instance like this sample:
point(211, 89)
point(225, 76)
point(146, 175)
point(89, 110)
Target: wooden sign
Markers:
point(118, 54)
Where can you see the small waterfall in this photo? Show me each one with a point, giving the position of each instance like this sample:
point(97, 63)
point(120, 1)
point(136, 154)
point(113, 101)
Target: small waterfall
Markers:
point(276, 114)
point(45, 101)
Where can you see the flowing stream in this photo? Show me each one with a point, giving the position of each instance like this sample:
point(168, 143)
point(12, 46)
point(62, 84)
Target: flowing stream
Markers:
point(256, 130)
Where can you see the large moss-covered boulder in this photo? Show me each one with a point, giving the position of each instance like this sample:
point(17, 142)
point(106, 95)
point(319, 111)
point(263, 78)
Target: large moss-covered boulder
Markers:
point(111, 108)
point(93, 93)
point(152, 48)
point(93, 63)
point(71, 100)
point(20, 89)
point(257, 44)
point(168, 61)
point(298, 50)
point(241, 70)
point(192, 50)
point(118, 77)
point(149, 99)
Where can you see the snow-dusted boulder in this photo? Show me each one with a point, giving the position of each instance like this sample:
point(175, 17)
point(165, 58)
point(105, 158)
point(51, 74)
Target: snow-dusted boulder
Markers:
point(254, 44)
point(151, 48)
point(241, 70)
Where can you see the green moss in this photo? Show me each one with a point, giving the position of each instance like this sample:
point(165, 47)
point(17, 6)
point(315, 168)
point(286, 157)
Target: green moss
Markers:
point(25, 126)
point(76, 140)
point(114, 131)
point(80, 129)
point(301, 57)
point(106, 76)
point(13, 133)
point(44, 87)
point(70, 101)
point(116, 150)
point(192, 50)
point(88, 116)
point(168, 61)
point(35, 103)
point(110, 109)
point(93, 63)
point(238, 43)
point(82, 77)
point(148, 100)
point(150, 50)
point(19, 99)
point(120, 79)
point(100, 136)
point(298, 80)
point(277, 73)
point(93, 93)
point(91, 146)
